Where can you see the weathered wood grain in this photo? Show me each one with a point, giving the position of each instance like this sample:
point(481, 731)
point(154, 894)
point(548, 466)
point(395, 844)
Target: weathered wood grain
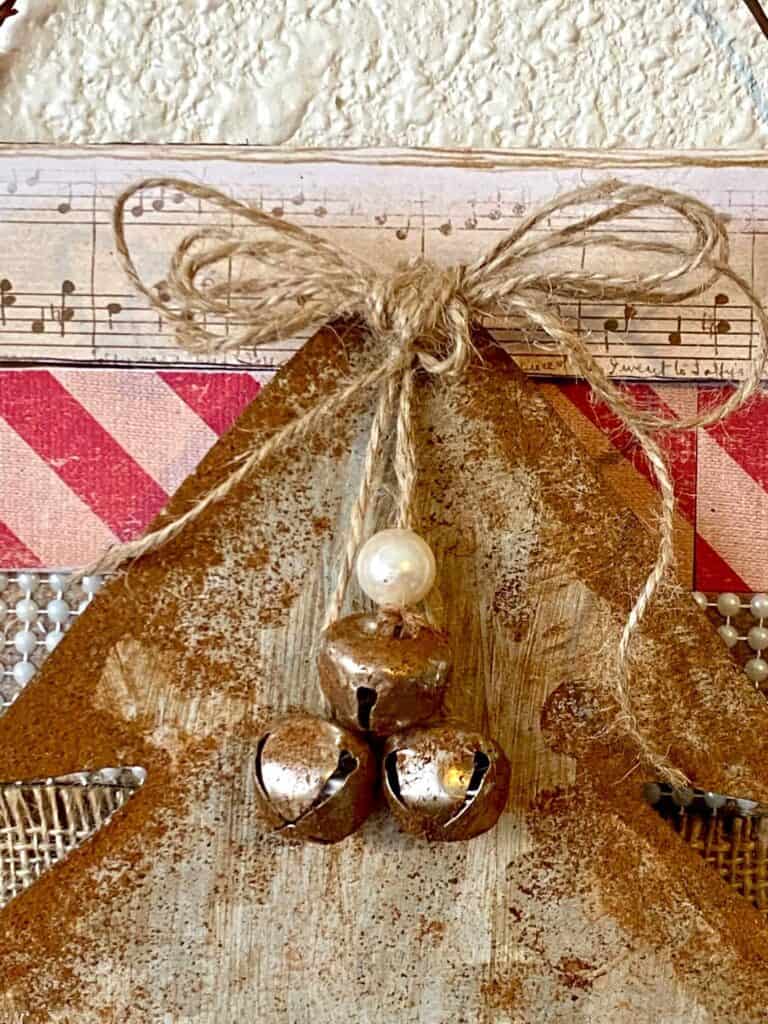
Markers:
point(580, 906)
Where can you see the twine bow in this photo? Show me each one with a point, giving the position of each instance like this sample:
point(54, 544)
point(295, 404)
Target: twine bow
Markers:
point(423, 314)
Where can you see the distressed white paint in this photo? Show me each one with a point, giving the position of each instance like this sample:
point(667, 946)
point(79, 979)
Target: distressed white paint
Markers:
point(673, 73)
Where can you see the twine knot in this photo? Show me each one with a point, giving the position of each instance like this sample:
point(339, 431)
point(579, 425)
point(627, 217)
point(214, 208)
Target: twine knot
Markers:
point(232, 290)
point(422, 309)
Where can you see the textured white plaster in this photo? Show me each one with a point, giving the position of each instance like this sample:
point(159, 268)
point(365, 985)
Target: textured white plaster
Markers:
point(671, 73)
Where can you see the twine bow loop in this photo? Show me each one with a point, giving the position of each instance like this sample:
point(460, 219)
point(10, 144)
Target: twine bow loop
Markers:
point(239, 289)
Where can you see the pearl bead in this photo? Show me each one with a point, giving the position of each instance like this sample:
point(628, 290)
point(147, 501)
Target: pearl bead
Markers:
point(700, 599)
point(26, 610)
point(25, 641)
point(728, 604)
point(757, 669)
point(759, 606)
point(27, 581)
point(57, 582)
point(3, 609)
point(23, 672)
point(757, 638)
point(715, 800)
point(91, 584)
point(57, 610)
point(728, 635)
point(52, 640)
point(396, 568)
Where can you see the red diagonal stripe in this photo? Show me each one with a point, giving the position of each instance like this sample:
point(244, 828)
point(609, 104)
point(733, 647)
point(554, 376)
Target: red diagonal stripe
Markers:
point(14, 554)
point(80, 451)
point(679, 448)
point(217, 398)
point(711, 572)
point(743, 434)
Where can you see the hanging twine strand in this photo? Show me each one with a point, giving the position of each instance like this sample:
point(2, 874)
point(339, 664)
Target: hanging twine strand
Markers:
point(421, 316)
point(376, 441)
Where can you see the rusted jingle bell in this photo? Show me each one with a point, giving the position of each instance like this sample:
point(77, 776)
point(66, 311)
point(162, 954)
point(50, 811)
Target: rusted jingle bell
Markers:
point(445, 782)
point(379, 678)
point(314, 779)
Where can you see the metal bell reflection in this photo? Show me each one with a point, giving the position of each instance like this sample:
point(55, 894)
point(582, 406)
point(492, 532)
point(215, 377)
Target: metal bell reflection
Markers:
point(445, 782)
point(379, 677)
point(314, 779)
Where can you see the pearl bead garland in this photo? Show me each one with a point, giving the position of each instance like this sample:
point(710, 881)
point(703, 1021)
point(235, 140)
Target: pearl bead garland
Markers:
point(34, 622)
point(396, 568)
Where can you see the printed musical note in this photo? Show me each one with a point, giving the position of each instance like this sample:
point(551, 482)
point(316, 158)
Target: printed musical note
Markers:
point(13, 185)
point(177, 197)
point(721, 326)
point(471, 222)
point(113, 309)
point(158, 204)
point(676, 337)
point(495, 212)
point(278, 211)
point(713, 324)
point(7, 298)
point(630, 312)
point(38, 326)
point(34, 178)
point(298, 199)
point(402, 233)
point(380, 219)
point(66, 206)
point(446, 227)
point(63, 313)
point(138, 209)
point(321, 210)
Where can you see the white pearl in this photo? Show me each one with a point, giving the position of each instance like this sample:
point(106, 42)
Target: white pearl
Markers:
point(27, 581)
point(26, 610)
point(52, 640)
point(757, 638)
point(57, 581)
point(91, 584)
point(23, 672)
point(25, 641)
point(57, 610)
point(757, 669)
point(700, 599)
point(759, 606)
point(728, 604)
point(728, 635)
point(3, 609)
point(396, 568)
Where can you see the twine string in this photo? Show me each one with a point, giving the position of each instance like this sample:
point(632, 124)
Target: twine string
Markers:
point(290, 281)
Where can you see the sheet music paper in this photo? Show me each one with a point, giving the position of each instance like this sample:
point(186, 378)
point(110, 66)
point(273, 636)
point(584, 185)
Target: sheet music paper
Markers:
point(64, 299)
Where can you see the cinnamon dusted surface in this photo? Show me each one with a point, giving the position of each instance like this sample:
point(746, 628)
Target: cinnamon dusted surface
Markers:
point(582, 905)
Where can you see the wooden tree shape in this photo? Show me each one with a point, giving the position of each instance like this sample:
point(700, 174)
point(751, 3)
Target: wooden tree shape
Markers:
point(581, 905)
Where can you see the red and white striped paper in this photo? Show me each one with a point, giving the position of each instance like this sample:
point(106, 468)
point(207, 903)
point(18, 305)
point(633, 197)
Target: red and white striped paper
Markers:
point(91, 456)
